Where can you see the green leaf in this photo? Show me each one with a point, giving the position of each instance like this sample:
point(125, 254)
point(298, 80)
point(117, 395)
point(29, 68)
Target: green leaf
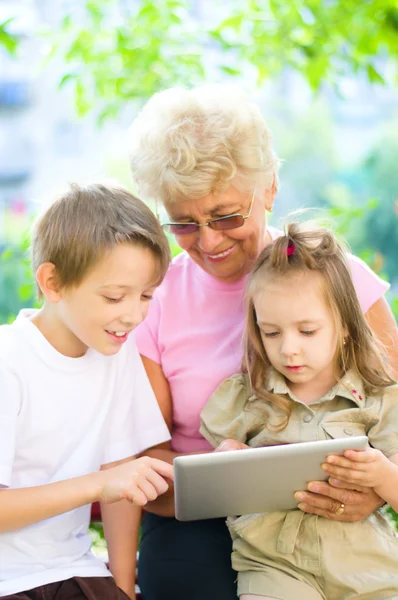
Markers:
point(373, 75)
point(6, 254)
point(8, 41)
point(234, 22)
point(230, 70)
point(147, 48)
point(66, 78)
point(26, 291)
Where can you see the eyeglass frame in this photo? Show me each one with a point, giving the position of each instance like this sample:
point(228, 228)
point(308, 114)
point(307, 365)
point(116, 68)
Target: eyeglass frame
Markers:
point(209, 223)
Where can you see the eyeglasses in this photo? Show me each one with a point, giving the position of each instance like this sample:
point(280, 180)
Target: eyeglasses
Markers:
point(221, 224)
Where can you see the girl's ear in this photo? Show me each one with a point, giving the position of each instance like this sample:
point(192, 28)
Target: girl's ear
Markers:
point(47, 280)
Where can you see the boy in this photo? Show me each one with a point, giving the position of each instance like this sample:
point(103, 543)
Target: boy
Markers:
point(75, 402)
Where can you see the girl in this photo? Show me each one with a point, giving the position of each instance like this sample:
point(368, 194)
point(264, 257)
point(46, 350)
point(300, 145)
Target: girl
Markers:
point(313, 371)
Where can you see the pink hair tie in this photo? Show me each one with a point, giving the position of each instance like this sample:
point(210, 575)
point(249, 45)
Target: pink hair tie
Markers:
point(290, 249)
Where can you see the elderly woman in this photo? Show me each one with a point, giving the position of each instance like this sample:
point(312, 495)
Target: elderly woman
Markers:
point(207, 156)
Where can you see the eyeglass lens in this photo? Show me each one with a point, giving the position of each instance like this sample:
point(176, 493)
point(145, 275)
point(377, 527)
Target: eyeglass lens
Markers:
point(180, 228)
point(231, 222)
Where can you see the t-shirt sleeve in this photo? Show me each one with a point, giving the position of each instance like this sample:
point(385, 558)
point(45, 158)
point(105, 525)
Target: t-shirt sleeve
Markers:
point(10, 404)
point(369, 286)
point(383, 435)
point(224, 416)
point(136, 422)
point(147, 333)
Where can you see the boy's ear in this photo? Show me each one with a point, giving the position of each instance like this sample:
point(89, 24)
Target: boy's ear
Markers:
point(47, 280)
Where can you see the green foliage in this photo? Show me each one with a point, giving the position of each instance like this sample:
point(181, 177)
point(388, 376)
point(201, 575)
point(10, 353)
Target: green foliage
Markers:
point(96, 533)
point(7, 40)
point(17, 288)
point(321, 40)
point(393, 516)
point(350, 220)
point(144, 51)
point(117, 56)
point(360, 200)
point(381, 180)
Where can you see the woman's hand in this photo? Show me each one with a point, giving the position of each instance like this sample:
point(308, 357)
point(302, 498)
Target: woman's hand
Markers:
point(227, 445)
point(338, 501)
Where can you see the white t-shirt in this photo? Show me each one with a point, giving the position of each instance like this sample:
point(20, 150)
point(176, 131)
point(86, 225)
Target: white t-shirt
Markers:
point(60, 418)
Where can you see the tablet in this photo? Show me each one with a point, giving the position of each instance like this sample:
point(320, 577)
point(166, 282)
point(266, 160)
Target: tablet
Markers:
point(256, 480)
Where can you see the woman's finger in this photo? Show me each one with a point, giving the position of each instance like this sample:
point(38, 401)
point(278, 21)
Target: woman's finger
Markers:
point(324, 500)
point(327, 514)
point(323, 506)
point(342, 495)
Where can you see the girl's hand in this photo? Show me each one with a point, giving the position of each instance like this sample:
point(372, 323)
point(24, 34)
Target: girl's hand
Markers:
point(227, 445)
point(369, 468)
point(139, 481)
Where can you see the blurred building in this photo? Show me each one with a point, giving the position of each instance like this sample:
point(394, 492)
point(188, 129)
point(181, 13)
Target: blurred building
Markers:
point(43, 145)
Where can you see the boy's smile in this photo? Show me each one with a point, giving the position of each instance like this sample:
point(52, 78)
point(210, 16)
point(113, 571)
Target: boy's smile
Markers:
point(105, 307)
point(118, 336)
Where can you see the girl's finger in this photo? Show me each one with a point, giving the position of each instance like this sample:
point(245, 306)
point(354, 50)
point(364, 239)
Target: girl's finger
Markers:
point(348, 475)
point(344, 463)
point(349, 486)
point(339, 461)
point(364, 456)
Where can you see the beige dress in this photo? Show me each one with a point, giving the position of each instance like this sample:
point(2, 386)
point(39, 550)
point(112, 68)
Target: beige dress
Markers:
point(291, 555)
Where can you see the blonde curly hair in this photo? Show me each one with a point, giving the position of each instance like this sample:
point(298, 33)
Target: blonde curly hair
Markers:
point(185, 144)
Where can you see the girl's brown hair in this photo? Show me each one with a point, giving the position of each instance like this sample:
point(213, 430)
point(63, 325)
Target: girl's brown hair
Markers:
point(306, 248)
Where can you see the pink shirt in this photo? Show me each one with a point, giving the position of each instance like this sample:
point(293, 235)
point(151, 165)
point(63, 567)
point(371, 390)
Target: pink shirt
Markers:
point(194, 330)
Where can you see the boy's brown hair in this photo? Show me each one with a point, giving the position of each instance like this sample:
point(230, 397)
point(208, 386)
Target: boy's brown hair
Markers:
point(305, 248)
point(85, 222)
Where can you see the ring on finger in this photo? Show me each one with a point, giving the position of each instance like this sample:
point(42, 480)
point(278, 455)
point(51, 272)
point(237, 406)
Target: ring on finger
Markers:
point(340, 509)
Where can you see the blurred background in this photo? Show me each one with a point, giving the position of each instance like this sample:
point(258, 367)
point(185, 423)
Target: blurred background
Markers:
point(73, 73)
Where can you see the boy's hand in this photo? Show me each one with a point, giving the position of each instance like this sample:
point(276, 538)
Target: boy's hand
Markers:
point(369, 468)
point(139, 481)
point(227, 445)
